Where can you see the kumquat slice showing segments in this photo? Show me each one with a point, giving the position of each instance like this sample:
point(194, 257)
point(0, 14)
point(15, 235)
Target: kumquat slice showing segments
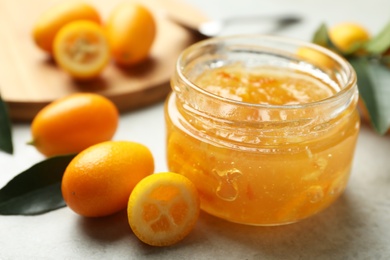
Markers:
point(81, 48)
point(163, 208)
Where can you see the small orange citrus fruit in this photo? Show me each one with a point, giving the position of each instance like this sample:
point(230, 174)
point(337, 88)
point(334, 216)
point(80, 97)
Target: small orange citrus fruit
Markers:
point(315, 57)
point(73, 123)
point(347, 36)
point(131, 30)
point(99, 180)
point(163, 208)
point(53, 19)
point(81, 49)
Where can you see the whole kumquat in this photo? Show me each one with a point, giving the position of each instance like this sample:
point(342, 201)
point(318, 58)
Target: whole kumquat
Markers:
point(349, 37)
point(54, 18)
point(131, 30)
point(315, 57)
point(99, 180)
point(73, 123)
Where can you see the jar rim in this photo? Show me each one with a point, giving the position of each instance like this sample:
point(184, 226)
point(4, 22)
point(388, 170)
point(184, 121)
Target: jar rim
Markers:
point(345, 66)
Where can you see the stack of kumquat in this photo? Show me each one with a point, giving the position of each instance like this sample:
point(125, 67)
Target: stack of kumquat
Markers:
point(108, 176)
point(82, 44)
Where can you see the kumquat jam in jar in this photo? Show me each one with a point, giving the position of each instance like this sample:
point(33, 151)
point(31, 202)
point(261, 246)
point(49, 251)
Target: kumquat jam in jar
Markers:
point(266, 134)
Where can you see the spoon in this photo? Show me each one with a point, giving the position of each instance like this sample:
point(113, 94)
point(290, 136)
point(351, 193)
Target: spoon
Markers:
point(214, 28)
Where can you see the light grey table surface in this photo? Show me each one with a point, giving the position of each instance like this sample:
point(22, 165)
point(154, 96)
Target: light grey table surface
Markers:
point(357, 226)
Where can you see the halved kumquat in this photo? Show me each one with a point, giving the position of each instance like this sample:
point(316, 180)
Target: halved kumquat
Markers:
point(81, 49)
point(163, 208)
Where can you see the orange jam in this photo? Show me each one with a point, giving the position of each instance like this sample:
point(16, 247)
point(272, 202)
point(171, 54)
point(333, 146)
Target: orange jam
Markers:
point(264, 86)
point(265, 144)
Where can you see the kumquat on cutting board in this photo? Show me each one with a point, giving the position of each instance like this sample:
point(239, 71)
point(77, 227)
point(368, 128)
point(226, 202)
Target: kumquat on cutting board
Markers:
point(82, 43)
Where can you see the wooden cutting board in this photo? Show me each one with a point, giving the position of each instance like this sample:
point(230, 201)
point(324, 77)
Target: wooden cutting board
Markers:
point(30, 79)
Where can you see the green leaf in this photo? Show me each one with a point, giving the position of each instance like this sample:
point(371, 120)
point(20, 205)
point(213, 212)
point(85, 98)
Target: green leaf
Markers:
point(36, 190)
point(381, 42)
point(385, 60)
point(381, 78)
point(373, 81)
point(321, 36)
point(5, 129)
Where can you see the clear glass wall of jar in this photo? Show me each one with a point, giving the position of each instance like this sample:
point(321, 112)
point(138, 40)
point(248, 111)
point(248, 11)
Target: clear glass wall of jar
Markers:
point(262, 164)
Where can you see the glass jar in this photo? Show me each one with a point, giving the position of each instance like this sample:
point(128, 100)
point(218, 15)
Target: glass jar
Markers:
point(262, 164)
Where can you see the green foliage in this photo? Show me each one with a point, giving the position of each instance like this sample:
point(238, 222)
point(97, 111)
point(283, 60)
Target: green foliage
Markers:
point(372, 70)
point(37, 190)
point(6, 144)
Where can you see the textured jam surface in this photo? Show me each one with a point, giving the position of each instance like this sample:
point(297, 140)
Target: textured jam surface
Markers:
point(263, 187)
point(266, 86)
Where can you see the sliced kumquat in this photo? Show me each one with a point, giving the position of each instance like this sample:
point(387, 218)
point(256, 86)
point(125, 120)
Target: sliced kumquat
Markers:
point(163, 208)
point(81, 49)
